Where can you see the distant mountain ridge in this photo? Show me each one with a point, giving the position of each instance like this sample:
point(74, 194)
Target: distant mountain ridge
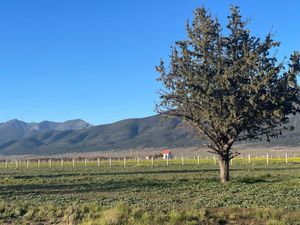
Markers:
point(14, 130)
point(149, 132)
point(152, 131)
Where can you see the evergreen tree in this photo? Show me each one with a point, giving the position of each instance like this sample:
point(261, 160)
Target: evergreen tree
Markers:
point(228, 85)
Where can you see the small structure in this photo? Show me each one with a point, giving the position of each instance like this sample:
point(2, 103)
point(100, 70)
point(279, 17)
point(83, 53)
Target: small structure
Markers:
point(167, 154)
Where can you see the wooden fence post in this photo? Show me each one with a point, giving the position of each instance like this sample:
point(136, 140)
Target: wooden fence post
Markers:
point(6, 164)
point(27, 163)
point(198, 160)
point(249, 158)
point(73, 163)
point(267, 159)
point(286, 159)
point(215, 160)
point(167, 161)
point(39, 162)
point(152, 161)
point(110, 162)
point(124, 161)
point(98, 162)
point(50, 163)
point(182, 160)
point(17, 164)
point(85, 162)
point(62, 162)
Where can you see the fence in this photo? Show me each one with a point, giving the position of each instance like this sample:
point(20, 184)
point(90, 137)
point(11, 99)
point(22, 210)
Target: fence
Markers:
point(151, 162)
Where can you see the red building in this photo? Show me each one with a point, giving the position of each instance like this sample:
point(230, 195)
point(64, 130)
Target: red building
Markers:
point(167, 154)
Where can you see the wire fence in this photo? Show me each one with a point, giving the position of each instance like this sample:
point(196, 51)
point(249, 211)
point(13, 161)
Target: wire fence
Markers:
point(249, 159)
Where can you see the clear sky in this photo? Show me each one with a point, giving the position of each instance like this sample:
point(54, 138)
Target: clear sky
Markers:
point(95, 60)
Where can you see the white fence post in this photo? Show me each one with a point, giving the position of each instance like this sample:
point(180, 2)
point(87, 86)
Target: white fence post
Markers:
point(267, 159)
point(50, 163)
point(215, 160)
point(198, 160)
point(249, 158)
point(152, 161)
point(286, 158)
point(39, 162)
point(27, 163)
point(6, 164)
point(85, 162)
point(124, 161)
point(98, 162)
point(110, 162)
point(182, 160)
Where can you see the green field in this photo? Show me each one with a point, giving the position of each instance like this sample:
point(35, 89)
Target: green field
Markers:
point(139, 193)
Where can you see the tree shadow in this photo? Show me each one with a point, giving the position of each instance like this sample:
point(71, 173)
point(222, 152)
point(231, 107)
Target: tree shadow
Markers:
point(125, 173)
point(82, 187)
point(253, 180)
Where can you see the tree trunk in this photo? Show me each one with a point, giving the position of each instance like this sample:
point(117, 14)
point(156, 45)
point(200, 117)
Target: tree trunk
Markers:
point(224, 170)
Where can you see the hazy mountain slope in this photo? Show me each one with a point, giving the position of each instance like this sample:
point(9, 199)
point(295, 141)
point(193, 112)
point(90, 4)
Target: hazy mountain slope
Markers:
point(132, 133)
point(147, 132)
point(15, 129)
point(12, 130)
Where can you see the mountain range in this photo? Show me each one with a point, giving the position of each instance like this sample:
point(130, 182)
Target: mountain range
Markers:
point(18, 137)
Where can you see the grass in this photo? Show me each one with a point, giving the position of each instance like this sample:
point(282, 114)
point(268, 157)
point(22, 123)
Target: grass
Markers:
point(173, 194)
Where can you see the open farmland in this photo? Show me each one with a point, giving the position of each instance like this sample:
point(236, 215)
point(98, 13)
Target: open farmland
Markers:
point(139, 193)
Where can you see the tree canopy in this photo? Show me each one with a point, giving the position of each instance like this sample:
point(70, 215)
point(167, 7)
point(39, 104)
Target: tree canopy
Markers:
point(228, 84)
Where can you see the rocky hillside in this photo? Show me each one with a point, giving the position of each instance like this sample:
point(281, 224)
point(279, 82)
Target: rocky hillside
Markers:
point(154, 131)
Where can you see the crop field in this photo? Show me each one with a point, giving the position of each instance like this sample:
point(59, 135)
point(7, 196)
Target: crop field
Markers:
point(135, 191)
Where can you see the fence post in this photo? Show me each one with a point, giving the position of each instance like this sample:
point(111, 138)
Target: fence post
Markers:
point(182, 160)
point(17, 164)
point(231, 161)
point(39, 162)
point(124, 161)
point(6, 165)
point(167, 161)
point(249, 158)
point(98, 162)
point(27, 163)
point(286, 158)
point(267, 159)
point(110, 162)
point(73, 162)
point(198, 160)
point(50, 163)
point(152, 161)
point(62, 162)
point(138, 161)
point(214, 160)
point(85, 162)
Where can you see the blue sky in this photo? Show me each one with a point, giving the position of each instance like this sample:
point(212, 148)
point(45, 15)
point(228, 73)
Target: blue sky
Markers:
point(95, 60)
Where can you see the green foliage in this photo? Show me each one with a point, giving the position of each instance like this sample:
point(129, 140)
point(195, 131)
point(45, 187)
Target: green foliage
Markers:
point(188, 194)
point(228, 84)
